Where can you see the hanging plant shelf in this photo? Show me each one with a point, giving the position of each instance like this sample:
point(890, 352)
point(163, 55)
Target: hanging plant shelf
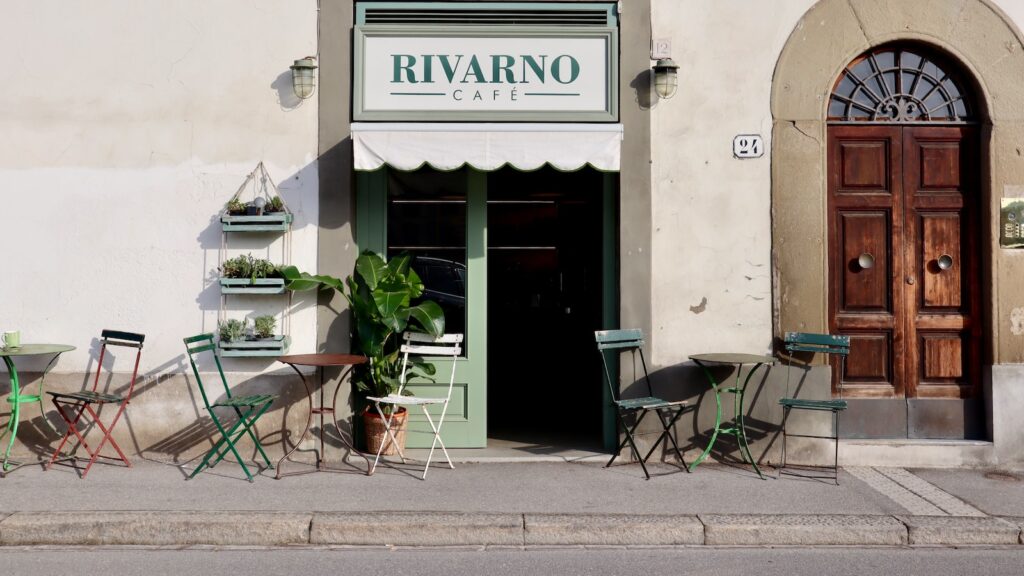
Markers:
point(265, 347)
point(273, 222)
point(252, 285)
point(266, 212)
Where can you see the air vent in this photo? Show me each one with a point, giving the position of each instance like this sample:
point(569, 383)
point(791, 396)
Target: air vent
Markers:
point(489, 17)
point(586, 14)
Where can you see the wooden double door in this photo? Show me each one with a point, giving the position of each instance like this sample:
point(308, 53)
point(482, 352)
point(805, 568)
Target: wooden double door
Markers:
point(905, 270)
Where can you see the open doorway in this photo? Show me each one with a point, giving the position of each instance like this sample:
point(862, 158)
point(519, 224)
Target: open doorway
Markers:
point(546, 296)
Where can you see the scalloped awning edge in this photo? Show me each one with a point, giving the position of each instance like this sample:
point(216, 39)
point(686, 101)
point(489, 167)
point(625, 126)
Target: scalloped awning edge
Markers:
point(486, 147)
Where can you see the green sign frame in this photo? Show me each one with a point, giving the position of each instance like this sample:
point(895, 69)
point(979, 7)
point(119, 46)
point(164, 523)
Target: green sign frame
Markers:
point(609, 35)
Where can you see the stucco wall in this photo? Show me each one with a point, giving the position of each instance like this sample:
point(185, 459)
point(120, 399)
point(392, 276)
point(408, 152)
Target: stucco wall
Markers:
point(126, 127)
point(712, 225)
point(712, 240)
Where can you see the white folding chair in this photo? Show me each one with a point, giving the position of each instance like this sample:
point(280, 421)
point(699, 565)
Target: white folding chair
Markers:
point(449, 345)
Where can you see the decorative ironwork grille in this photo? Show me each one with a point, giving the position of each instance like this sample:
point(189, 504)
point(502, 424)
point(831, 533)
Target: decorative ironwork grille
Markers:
point(897, 84)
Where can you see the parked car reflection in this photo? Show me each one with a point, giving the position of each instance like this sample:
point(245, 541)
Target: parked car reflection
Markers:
point(445, 283)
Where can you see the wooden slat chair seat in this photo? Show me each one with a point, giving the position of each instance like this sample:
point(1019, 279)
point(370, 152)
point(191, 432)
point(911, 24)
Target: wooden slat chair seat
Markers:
point(89, 396)
point(409, 400)
point(647, 403)
point(632, 340)
point(828, 344)
point(73, 406)
point(813, 404)
point(446, 346)
point(246, 401)
point(247, 409)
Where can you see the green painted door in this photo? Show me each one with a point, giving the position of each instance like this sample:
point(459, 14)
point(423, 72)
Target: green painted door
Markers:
point(440, 218)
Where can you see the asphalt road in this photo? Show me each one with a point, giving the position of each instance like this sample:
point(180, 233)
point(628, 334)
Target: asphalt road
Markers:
point(516, 562)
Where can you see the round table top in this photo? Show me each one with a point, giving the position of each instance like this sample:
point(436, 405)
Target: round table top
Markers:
point(322, 360)
point(32, 349)
point(733, 358)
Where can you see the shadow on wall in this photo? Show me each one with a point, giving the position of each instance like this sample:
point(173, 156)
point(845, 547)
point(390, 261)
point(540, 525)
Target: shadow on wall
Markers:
point(641, 85)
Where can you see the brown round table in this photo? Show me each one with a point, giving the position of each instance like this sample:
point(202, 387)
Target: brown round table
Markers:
point(321, 361)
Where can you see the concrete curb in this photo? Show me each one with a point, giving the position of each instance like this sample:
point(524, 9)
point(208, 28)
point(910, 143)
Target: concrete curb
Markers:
point(802, 530)
point(960, 530)
point(386, 528)
point(612, 530)
point(416, 529)
point(155, 528)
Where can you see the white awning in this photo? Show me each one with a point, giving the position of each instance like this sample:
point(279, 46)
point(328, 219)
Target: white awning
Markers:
point(447, 146)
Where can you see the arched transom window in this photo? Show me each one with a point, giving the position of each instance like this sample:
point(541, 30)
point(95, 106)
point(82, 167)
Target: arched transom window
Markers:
point(900, 84)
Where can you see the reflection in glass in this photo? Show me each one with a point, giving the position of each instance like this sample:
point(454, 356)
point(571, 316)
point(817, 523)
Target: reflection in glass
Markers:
point(427, 219)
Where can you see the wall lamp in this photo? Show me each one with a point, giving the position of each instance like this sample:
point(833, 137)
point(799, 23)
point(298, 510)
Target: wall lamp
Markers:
point(665, 78)
point(304, 77)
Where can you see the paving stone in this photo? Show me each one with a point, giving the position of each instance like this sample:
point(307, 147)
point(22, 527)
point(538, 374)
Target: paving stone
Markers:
point(960, 530)
point(417, 528)
point(612, 529)
point(155, 528)
point(1017, 521)
point(802, 529)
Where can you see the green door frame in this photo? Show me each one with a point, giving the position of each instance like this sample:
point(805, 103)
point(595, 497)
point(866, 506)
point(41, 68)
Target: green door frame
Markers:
point(466, 422)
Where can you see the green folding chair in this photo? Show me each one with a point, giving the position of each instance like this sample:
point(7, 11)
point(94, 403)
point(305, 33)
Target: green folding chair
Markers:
point(803, 342)
point(247, 409)
point(632, 341)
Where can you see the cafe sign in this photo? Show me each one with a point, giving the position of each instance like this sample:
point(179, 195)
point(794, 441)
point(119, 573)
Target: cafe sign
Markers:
point(425, 73)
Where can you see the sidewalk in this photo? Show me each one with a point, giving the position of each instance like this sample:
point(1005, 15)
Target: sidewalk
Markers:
point(508, 504)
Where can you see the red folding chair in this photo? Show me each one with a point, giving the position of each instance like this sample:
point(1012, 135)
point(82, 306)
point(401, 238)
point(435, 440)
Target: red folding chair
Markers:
point(80, 403)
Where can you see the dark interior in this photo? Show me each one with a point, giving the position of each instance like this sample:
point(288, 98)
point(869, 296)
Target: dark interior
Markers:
point(544, 303)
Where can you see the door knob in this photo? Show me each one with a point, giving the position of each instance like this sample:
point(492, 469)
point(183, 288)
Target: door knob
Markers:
point(911, 279)
point(945, 262)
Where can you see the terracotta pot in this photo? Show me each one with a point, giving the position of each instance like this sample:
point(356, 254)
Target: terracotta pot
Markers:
point(375, 434)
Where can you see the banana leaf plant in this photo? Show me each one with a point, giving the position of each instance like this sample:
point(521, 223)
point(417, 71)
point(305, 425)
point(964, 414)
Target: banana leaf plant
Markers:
point(380, 294)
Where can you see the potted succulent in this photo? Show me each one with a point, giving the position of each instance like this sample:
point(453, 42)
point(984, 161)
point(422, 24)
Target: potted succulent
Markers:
point(263, 327)
point(232, 330)
point(382, 296)
point(265, 213)
point(245, 274)
point(238, 338)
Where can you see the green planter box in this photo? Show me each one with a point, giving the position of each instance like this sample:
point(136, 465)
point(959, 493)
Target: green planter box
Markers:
point(275, 222)
point(252, 286)
point(269, 347)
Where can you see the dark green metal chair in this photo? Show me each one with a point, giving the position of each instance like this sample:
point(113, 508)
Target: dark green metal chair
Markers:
point(247, 409)
point(803, 342)
point(616, 342)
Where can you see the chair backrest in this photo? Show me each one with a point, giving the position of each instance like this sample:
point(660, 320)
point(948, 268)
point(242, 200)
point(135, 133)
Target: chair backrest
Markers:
point(125, 339)
point(616, 342)
point(829, 344)
point(196, 345)
point(419, 344)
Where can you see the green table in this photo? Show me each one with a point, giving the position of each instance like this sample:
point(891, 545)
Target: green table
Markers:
point(737, 428)
point(16, 398)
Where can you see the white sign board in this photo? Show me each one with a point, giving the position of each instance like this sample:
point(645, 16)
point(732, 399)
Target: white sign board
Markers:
point(748, 146)
point(482, 74)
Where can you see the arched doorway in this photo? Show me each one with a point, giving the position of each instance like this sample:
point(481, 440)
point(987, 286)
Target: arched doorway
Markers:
point(904, 202)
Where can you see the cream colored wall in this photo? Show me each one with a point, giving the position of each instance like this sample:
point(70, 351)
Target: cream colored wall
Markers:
point(712, 225)
point(125, 128)
point(712, 212)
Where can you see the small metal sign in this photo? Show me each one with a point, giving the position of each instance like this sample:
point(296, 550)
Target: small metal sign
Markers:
point(748, 146)
point(1011, 223)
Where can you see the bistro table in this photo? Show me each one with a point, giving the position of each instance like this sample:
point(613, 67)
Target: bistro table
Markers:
point(16, 398)
point(737, 427)
point(321, 361)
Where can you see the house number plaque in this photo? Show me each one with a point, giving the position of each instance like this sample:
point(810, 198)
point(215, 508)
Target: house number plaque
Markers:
point(748, 146)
